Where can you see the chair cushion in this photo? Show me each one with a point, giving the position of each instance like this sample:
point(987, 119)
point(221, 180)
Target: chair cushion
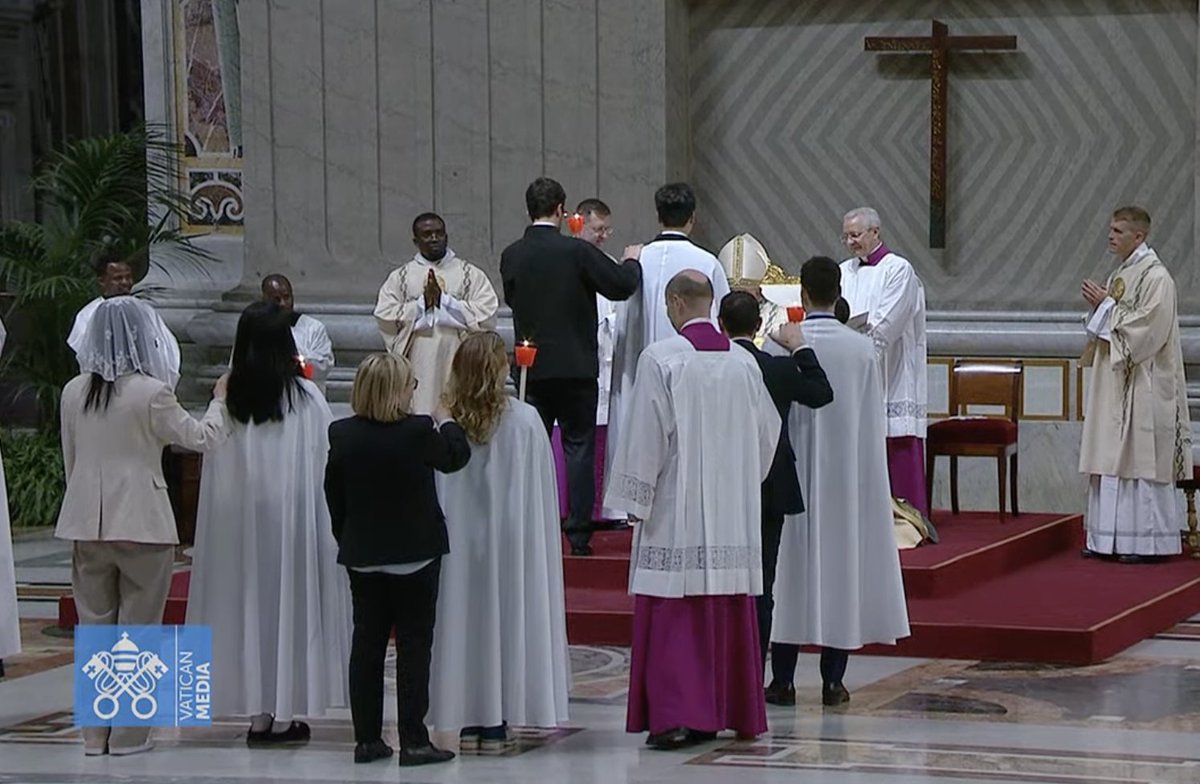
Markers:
point(973, 430)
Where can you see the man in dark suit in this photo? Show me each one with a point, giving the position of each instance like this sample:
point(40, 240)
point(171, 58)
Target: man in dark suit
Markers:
point(795, 379)
point(551, 282)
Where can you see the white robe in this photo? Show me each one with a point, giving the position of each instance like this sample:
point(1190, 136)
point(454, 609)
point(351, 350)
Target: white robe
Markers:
point(313, 344)
point(1137, 434)
point(702, 433)
point(165, 341)
point(10, 627)
point(838, 577)
point(892, 296)
point(500, 641)
point(644, 318)
point(265, 574)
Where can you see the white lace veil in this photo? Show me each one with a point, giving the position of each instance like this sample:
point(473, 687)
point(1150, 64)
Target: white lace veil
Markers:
point(126, 336)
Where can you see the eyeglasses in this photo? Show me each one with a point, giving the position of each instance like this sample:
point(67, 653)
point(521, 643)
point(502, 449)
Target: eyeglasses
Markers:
point(855, 236)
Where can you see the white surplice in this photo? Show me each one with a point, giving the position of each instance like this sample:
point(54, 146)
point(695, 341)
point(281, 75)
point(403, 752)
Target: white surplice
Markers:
point(893, 297)
point(500, 641)
point(1137, 432)
point(164, 341)
point(314, 345)
point(643, 319)
point(265, 574)
point(838, 577)
point(702, 432)
point(10, 627)
point(430, 338)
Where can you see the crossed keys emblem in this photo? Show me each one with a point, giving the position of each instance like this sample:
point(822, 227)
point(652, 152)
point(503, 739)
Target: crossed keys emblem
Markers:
point(125, 670)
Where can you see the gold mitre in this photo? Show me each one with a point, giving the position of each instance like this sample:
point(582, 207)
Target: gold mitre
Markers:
point(746, 263)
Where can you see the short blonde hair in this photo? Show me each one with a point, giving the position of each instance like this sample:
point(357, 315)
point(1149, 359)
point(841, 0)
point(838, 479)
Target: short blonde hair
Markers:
point(379, 387)
point(1135, 216)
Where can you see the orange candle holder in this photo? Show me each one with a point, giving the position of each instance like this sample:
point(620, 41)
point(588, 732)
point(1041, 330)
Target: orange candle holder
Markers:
point(525, 353)
point(575, 223)
point(795, 314)
point(306, 369)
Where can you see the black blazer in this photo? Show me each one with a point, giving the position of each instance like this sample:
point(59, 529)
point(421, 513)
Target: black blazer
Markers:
point(551, 282)
point(795, 379)
point(380, 491)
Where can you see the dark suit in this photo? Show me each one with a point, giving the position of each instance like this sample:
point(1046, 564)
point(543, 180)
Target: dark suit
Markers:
point(795, 379)
point(384, 509)
point(551, 282)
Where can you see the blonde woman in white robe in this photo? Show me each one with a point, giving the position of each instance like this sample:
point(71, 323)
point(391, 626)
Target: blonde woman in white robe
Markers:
point(500, 643)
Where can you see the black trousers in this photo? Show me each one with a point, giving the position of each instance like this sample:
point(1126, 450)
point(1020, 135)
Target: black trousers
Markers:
point(783, 664)
point(572, 402)
point(407, 603)
point(772, 529)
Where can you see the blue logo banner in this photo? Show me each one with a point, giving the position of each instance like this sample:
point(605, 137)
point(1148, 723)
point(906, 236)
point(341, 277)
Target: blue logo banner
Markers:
point(143, 676)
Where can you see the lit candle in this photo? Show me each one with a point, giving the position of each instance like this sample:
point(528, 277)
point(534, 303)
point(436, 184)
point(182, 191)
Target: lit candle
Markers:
point(575, 223)
point(525, 353)
point(795, 313)
point(306, 369)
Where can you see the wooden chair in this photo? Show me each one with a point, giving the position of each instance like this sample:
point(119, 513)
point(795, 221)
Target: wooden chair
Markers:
point(983, 383)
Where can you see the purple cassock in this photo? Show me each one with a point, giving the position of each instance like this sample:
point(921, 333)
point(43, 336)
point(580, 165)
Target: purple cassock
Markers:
point(695, 660)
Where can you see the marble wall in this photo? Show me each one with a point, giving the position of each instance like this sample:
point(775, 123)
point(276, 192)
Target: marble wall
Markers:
point(358, 116)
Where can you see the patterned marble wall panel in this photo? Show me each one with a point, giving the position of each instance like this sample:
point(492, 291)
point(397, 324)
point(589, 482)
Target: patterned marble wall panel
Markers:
point(406, 101)
point(351, 104)
point(572, 123)
point(258, 137)
point(938, 386)
point(793, 123)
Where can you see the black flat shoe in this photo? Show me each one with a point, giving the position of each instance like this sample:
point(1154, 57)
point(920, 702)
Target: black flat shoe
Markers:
point(832, 696)
point(424, 755)
point(297, 733)
point(369, 752)
point(583, 549)
point(780, 694)
point(670, 740)
point(1139, 559)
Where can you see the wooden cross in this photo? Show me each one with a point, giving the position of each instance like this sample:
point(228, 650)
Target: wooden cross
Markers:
point(939, 45)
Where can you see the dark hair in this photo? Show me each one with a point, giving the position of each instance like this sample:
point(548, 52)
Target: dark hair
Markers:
point(841, 310)
point(99, 393)
point(104, 258)
point(593, 207)
point(822, 279)
point(264, 371)
point(675, 203)
point(275, 279)
point(543, 196)
point(424, 216)
point(739, 314)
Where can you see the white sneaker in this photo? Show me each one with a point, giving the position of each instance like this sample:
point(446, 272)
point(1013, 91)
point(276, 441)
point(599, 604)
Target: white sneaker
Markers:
point(116, 752)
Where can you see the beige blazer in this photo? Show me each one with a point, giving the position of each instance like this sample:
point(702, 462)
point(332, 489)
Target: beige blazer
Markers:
point(113, 459)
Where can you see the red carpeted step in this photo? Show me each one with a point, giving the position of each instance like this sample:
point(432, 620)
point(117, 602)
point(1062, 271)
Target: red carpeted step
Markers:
point(608, 565)
point(976, 547)
point(599, 616)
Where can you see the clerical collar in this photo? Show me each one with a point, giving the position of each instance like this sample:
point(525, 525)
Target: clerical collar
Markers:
point(701, 320)
point(1136, 256)
point(675, 232)
point(875, 256)
point(551, 224)
point(819, 314)
point(446, 257)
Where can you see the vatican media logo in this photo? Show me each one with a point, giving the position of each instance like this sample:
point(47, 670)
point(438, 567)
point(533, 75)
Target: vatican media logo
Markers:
point(139, 676)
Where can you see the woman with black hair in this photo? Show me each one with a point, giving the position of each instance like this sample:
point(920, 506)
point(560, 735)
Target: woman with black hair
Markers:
point(265, 574)
point(117, 415)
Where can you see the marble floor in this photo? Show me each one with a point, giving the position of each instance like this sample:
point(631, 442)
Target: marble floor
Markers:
point(1132, 720)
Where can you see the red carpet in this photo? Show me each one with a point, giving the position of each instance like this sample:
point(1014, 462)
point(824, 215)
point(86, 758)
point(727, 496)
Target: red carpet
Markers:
point(1013, 591)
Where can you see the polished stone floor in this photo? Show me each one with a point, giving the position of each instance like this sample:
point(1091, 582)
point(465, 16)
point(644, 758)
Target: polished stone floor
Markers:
point(1132, 720)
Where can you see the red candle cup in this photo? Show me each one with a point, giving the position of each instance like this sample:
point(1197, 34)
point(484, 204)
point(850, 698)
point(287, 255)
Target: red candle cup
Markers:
point(795, 314)
point(306, 369)
point(575, 223)
point(525, 354)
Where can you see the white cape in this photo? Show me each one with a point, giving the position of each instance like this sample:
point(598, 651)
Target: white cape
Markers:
point(838, 576)
point(10, 627)
point(265, 575)
point(500, 641)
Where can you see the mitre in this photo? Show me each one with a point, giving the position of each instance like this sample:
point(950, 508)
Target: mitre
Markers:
point(744, 260)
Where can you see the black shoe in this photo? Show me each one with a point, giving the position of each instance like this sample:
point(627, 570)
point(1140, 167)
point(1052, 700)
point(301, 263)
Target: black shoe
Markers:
point(696, 736)
point(780, 694)
point(1139, 559)
point(832, 696)
point(369, 752)
point(1086, 553)
point(296, 734)
point(424, 755)
point(670, 740)
point(581, 549)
